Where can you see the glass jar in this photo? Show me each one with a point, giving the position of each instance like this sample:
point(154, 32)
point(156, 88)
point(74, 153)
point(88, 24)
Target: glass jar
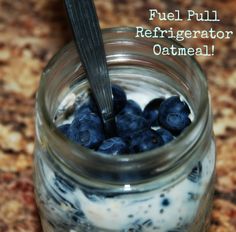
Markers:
point(168, 189)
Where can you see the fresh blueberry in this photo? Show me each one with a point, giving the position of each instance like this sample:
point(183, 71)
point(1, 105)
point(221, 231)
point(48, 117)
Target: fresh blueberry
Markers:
point(165, 134)
point(127, 124)
point(196, 173)
point(119, 98)
point(64, 129)
point(87, 131)
point(89, 106)
point(86, 136)
point(131, 107)
point(82, 110)
point(151, 110)
point(145, 141)
point(176, 105)
point(114, 146)
point(176, 122)
point(173, 115)
point(93, 105)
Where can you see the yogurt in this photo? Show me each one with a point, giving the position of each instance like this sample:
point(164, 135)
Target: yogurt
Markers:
point(166, 210)
point(69, 207)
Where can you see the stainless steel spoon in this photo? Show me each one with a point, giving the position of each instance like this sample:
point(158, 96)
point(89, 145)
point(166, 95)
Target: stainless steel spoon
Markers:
point(89, 42)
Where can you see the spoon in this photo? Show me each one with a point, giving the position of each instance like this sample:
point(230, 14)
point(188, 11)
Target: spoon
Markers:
point(88, 39)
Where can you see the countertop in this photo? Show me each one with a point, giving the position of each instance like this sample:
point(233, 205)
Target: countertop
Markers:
point(31, 32)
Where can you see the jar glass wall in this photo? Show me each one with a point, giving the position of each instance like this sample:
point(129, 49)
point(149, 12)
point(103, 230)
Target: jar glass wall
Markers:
point(166, 189)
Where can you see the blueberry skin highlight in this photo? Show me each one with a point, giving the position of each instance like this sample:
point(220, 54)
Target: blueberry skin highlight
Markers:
point(145, 141)
point(87, 131)
point(132, 107)
point(119, 98)
point(173, 115)
point(127, 124)
point(165, 135)
point(113, 146)
point(151, 111)
point(86, 136)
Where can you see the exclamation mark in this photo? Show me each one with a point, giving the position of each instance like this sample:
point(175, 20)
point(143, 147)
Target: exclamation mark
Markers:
point(213, 50)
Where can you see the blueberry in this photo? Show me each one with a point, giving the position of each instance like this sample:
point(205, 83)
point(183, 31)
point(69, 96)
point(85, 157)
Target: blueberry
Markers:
point(176, 122)
point(176, 105)
point(127, 124)
point(82, 110)
point(132, 107)
point(87, 131)
point(165, 202)
point(151, 111)
point(93, 105)
point(165, 135)
point(64, 129)
point(145, 141)
point(86, 118)
point(173, 115)
point(119, 98)
point(86, 135)
point(196, 173)
point(114, 146)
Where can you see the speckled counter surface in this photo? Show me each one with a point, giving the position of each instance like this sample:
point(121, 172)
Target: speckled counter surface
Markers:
point(31, 32)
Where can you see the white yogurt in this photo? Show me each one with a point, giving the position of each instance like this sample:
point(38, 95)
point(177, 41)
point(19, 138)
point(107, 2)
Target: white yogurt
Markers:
point(139, 211)
point(68, 208)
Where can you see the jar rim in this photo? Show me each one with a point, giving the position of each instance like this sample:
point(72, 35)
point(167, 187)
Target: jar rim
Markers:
point(50, 127)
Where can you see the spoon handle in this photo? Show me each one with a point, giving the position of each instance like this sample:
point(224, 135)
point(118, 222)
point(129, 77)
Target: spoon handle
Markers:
point(89, 42)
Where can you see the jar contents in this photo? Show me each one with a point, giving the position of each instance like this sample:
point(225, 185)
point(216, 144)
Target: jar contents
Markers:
point(68, 206)
point(137, 130)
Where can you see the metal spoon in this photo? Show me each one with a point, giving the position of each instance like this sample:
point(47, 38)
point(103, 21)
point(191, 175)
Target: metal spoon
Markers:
point(88, 40)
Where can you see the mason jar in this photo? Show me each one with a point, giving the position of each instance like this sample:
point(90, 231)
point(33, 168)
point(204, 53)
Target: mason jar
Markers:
point(167, 189)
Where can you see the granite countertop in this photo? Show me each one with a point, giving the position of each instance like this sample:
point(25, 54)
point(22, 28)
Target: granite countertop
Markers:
point(32, 31)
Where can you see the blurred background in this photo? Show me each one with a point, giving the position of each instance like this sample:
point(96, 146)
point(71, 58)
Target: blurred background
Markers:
point(31, 31)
